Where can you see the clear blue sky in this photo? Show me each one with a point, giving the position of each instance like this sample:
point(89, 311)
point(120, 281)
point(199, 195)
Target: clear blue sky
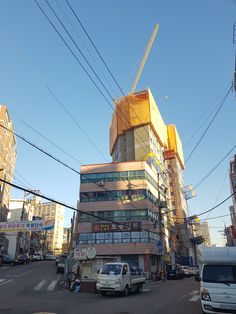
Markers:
point(191, 62)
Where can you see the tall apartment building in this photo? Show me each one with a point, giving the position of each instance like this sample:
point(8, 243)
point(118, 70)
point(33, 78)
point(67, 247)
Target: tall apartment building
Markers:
point(134, 190)
point(55, 212)
point(7, 166)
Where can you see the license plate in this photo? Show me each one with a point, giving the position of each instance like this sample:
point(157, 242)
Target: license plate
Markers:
point(228, 306)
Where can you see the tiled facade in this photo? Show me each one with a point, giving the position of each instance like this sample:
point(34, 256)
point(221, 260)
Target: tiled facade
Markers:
point(55, 212)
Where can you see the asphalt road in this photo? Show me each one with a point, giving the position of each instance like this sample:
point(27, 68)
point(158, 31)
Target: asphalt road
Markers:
point(34, 288)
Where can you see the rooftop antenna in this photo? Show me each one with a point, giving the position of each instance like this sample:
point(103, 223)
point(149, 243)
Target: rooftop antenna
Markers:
point(144, 59)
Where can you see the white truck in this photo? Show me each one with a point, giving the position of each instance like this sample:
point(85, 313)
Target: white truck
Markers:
point(119, 278)
point(217, 277)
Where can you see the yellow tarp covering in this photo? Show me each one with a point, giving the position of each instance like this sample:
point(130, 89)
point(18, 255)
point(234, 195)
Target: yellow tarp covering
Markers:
point(137, 110)
point(174, 143)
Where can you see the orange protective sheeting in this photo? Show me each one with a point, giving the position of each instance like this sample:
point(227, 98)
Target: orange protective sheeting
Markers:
point(175, 144)
point(136, 110)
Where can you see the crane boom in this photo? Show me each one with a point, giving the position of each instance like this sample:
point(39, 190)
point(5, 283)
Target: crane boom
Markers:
point(144, 59)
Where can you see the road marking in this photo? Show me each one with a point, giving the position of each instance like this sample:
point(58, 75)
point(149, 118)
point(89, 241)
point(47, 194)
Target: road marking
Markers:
point(40, 285)
point(194, 292)
point(52, 285)
point(2, 280)
point(5, 282)
point(195, 298)
point(146, 290)
point(183, 296)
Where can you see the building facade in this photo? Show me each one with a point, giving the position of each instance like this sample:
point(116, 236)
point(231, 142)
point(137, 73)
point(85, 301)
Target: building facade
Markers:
point(19, 242)
point(127, 195)
point(137, 190)
point(51, 211)
point(202, 229)
point(7, 166)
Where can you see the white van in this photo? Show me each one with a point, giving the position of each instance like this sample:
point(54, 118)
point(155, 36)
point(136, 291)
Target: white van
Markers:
point(217, 276)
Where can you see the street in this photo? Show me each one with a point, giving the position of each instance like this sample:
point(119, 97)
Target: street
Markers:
point(34, 288)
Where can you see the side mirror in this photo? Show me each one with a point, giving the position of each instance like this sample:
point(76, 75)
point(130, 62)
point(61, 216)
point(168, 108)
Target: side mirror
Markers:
point(197, 277)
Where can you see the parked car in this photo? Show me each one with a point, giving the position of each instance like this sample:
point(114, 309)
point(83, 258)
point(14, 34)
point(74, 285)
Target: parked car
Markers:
point(36, 257)
point(49, 257)
point(0, 260)
point(194, 270)
point(186, 271)
point(23, 259)
point(8, 260)
point(61, 264)
point(174, 272)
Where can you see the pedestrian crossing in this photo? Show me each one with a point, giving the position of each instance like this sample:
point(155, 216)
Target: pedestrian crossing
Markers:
point(47, 285)
point(42, 285)
point(4, 282)
point(194, 296)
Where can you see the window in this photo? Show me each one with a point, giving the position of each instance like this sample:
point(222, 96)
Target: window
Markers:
point(219, 273)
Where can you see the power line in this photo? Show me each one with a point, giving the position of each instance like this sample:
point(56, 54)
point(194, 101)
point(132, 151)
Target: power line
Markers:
point(41, 150)
point(84, 44)
point(80, 51)
point(221, 188)
point(96, 75)
point(51, 142)
point(214, 168)
point(216, 217)
point(204, 133)
point(87, 73)
point(75, 122)
point(202, 124)
point(105, 64)
point(57, 202)
point(209, 210)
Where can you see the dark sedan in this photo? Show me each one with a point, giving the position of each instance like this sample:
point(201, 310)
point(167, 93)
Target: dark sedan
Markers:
point(23, 259)
point(8, 260)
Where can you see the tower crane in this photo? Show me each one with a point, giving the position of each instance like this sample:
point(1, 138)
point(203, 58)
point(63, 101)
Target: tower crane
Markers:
point(144, 59)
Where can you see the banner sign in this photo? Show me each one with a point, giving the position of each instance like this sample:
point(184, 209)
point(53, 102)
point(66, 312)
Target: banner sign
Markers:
point(22, 226)
point(128, 226)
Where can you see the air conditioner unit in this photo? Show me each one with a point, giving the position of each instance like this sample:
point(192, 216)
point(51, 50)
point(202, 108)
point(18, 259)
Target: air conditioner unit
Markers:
point(100, 183)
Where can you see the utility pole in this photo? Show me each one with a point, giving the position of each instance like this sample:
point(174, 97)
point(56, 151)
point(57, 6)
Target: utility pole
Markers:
point(234, 42)
point(161, 232)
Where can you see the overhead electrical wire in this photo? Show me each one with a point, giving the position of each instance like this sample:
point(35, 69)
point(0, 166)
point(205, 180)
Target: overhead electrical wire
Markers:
point(51, 142)
point(84, 44)
point(205, 120)
point(87, 73)
point(41, 149)
point(122, 91)
point(102, 59)
point(74, 208)
point(214, 207)
point(218, 196)
point(212, 120)
point(214, 168)
point(75, 122)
